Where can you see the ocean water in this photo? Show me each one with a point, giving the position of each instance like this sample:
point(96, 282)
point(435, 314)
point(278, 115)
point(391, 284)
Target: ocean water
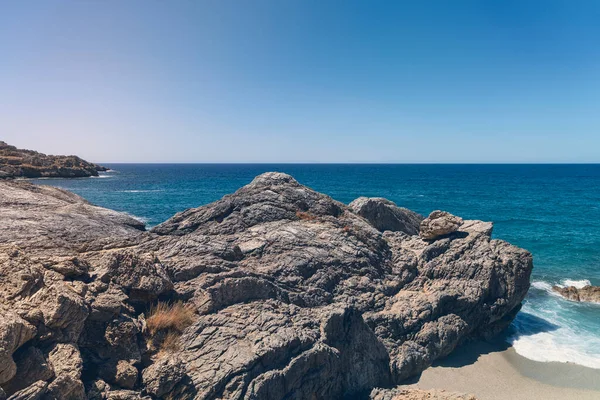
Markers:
point(551, 210)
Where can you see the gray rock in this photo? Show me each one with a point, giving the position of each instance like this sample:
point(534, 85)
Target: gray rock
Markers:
point(53, 221)
point(295, 295)
point(161, 377)
point(385, 215)
point(438, 224)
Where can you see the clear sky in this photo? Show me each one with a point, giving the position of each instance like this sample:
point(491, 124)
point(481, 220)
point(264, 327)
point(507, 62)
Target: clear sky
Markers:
point(303, 80)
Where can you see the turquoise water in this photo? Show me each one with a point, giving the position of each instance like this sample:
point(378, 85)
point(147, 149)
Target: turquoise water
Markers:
point(551, 210)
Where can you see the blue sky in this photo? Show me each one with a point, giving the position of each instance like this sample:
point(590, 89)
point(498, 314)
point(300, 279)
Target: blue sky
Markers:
point(303, 81)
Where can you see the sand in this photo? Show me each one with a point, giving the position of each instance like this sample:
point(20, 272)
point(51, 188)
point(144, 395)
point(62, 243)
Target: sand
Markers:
point(494, 371)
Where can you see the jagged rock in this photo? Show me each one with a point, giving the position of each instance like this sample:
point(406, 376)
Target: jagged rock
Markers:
point(32, 366)
point(16, 163)
point(142, 277)
point(32, 392)
point(586, 294)
point(417, 394)
point(161, 377)
point(385, 215)
point(439, 223)
point(67, 365)
point(14, 332)
point(294, 294)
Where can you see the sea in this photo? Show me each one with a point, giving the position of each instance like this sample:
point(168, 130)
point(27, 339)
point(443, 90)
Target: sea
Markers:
point(551, 210)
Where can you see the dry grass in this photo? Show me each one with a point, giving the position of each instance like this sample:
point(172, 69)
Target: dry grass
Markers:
point(169, 317)
point(305, 216)
point(170, 344)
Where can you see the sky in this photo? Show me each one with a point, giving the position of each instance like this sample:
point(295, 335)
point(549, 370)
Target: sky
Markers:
point(302, 80)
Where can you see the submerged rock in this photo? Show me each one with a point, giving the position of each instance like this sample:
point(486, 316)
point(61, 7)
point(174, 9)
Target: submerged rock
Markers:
point(291, 294)
point(586, 294)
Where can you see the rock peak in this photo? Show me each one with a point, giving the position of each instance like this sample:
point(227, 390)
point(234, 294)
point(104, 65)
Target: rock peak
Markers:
point(274, 178)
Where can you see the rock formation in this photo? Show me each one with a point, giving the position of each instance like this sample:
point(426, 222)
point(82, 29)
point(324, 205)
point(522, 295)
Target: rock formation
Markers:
point(275, 291)
point(588, 293)
point(18, 163)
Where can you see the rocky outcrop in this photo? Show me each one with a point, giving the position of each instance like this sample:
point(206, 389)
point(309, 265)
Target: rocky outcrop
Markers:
point(19, 163)
point(385, 215)
point(588, 293)
point(439, 224)
point(43, 219)
point(275, 291)
point(416, 394)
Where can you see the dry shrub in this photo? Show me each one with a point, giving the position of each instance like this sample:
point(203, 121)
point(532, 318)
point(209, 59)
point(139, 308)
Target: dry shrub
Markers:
point(305, 216)
point(170, 344)
point(347, 229)
point(170, 317)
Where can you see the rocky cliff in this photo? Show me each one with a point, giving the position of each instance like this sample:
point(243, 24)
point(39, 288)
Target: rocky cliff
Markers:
point(273, 292)
point(18, 163)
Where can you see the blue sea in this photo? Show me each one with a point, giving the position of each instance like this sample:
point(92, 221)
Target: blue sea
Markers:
point(551, 210)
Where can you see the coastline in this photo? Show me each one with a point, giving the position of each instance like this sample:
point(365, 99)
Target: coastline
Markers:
point(494, 371)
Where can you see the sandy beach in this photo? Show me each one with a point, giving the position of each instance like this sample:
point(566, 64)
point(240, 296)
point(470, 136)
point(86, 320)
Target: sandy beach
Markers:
point(494, 371)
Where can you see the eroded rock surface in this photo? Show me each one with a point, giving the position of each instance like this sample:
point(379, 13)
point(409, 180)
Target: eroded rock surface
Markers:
point(294, 295)
point(588, 293)
point(385, 215)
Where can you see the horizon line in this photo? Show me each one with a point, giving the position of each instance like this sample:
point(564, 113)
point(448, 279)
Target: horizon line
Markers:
point(346, 163)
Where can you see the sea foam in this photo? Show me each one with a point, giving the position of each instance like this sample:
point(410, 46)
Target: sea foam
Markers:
point(559, 341)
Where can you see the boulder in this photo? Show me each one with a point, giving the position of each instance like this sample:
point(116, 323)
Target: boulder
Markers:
point(385, 215)
point(438, 224)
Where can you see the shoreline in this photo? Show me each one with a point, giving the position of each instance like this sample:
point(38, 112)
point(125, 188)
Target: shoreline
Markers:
point(495, 371)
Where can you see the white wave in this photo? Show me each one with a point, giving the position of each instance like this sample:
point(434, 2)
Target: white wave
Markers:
point(541, 285)
point(578, 284)
point(552, 336)
point(102, 176)
point(554, 346)
point(140, 191)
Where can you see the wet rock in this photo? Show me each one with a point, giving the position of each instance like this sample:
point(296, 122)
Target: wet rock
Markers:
point(588, 293)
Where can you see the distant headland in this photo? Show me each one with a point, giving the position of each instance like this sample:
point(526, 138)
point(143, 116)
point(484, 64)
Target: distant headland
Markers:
point(19, 163)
